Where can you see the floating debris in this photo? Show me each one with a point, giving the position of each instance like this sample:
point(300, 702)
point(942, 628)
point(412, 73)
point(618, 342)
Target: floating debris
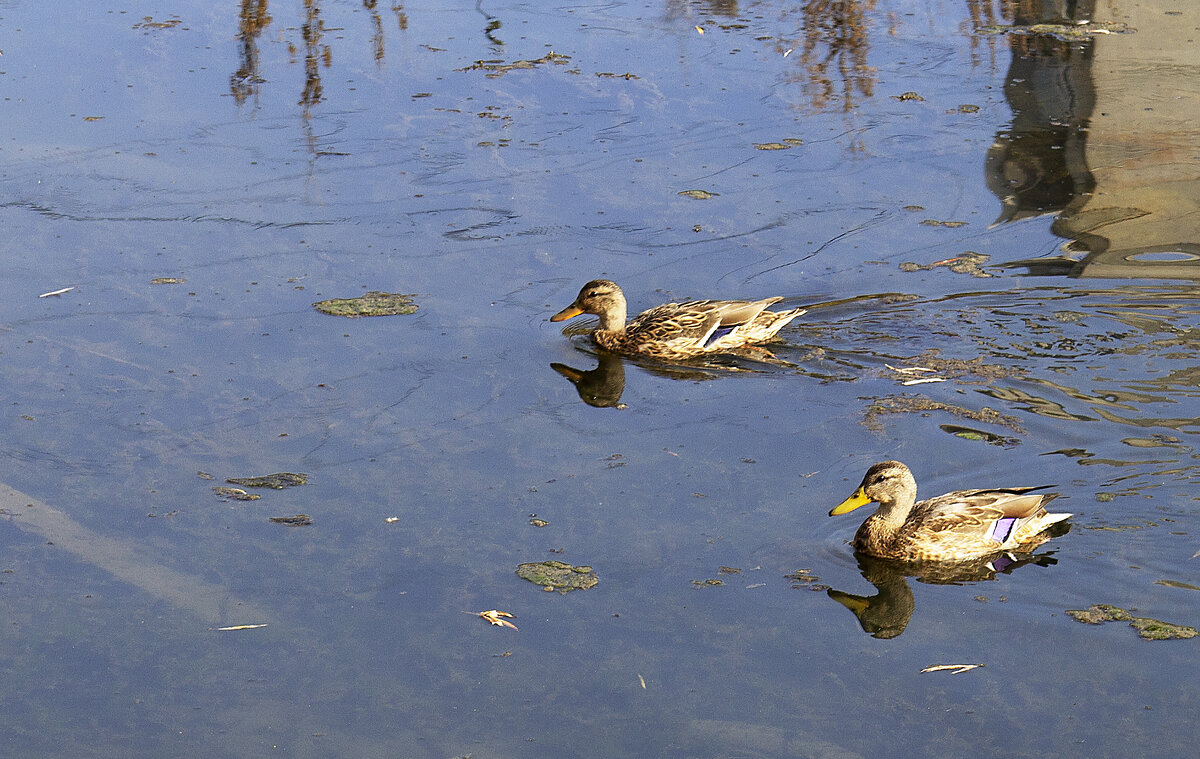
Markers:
point(240, 627)
point(903, 96)
point(148, 22)
point(392, 520)
point(940, 223)
point(1177, 584)
point(235, 494)
point(969, 433)
point(956, 669)
point(1147, 628)
point(298, 520)
point(804, 579)
point(909, 404)
point(910, 370)
point(277, 481)
point(771, 146)
point(699, 194)
point(374, 303)
point(498, 68)
point(496, 617)
point(52, 293)
point(538, 522)
point(558, 575)
point(968, 263)
point(168, 281)
point(712, 582)
point(1063, 32)
point(610, 75)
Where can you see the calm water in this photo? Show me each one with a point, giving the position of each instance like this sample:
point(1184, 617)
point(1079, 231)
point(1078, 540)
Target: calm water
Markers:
point(1024, 224)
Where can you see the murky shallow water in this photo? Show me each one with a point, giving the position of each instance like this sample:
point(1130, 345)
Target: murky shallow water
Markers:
point(269, 174)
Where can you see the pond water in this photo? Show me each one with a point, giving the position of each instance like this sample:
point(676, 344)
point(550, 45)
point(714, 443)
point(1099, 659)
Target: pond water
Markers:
point(946, 187)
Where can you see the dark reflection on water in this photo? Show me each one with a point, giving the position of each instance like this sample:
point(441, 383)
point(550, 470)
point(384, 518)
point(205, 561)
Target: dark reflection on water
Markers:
point(887, 613)
point(600, 387)
point(1134, 218)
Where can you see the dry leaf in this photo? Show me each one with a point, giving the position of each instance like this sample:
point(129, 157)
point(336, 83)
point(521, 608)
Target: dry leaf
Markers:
point(495, 617)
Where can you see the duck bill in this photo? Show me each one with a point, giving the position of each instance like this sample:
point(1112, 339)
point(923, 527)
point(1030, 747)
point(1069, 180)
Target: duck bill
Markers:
point(569, 312)
point(850, 504)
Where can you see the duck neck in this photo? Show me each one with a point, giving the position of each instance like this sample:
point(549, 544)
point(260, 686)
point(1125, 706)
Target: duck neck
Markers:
point(613, 318)
point(890, 517)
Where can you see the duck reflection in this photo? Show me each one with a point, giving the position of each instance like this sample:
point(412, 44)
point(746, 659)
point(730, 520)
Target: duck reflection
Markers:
point(600, 387)
point(887, 613)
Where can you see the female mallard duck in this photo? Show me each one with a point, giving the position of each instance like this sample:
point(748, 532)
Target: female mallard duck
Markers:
point(965, 524)
point(675, 331)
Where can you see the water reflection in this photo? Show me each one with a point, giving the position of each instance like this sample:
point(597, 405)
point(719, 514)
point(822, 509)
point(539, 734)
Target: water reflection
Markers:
point(833, 52)
point(254, 17)
point(600, 387)
point(887, 613)
point(252, 20)
point(1113, 168)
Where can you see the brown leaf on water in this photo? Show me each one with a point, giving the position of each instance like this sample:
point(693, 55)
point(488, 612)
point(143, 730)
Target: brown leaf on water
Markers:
point(495, 617)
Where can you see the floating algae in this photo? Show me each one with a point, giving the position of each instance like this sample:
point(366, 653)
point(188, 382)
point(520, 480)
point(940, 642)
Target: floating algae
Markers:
point(373, 303)
point(1147, 628)
point(277, 481)
point(558, 575)
point(235, 494)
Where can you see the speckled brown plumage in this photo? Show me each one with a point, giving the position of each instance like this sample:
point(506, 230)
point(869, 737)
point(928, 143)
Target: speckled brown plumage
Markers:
point(675, 331)
point(965, 524)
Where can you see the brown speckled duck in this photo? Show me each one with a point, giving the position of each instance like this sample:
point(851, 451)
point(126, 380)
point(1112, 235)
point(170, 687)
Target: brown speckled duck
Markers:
point(958, 526)
point(675, 331)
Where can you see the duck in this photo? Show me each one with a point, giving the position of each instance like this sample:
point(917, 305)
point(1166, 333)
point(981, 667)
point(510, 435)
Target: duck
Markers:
point(960, 526)
point(676, 331)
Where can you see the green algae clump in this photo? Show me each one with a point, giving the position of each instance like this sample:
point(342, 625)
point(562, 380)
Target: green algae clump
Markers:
point(1147, 628)
point(558, 575)
point(277, 481)
point(373, 303)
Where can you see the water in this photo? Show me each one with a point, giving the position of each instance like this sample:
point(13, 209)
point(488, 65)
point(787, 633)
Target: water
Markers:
point(270, 168)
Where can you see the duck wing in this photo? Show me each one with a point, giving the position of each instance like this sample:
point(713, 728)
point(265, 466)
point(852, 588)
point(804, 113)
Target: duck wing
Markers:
point(1007, 516)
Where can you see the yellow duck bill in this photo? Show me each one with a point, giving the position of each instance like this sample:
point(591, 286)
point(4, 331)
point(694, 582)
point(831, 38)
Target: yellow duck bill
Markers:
point(850, 504)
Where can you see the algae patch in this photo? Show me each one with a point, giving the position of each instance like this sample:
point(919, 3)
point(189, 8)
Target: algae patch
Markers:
point(235, 494)
point(558, 575)
point(909, 404)
point(1147, 628)
point(373, 303)
point(277, 481)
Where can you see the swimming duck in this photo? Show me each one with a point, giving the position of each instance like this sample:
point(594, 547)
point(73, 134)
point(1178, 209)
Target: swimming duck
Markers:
point(958, 526)
point(676, 331)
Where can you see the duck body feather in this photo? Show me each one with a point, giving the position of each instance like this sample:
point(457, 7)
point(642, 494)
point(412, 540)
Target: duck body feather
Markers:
point(675, 331)
point(958, 526)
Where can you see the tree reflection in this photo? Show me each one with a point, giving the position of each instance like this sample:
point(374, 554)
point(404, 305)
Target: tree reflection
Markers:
point(833, 52)
point(252, 19)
